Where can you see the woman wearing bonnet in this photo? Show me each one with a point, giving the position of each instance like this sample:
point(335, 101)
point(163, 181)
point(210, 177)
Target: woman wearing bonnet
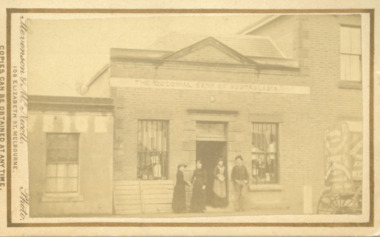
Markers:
point(179, 194)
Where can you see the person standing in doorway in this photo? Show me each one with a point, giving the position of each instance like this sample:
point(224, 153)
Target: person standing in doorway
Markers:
point(179, 194)
point(199, 180)
point(219, 186)
point(239, 176)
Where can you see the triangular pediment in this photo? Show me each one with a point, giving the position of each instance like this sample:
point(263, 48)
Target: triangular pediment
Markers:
point(209, 50)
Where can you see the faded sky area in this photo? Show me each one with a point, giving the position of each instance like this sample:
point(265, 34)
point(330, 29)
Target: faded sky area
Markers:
point(62, 53)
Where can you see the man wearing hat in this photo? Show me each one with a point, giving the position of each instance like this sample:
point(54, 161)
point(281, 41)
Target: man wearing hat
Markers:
point(239, 176)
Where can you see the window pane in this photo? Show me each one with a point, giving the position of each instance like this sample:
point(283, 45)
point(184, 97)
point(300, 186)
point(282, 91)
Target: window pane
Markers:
point(60, 185)
point(264, 152)
point(153, 136)
point(272, 147)
point(165, 131)
point(355, 41)
point(159, 137)
point(145, 135)
point(262, 166)
point(156, 166)
point(350, 48)
point(258, 142)
point(139, 136)
point(51, 185)
point(355, 66)
point(345, 39)
point(72, 170)
point(71, 185)
point(61, 170)
point(149, 135)
point(345, 67)
point(51, 170)
point(62, 158)
point(273, 139)
point(152, 139)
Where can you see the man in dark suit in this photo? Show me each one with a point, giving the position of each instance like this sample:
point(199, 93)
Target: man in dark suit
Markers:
point(239, 176)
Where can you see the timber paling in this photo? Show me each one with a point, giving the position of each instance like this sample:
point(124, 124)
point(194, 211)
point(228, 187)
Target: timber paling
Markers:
point(142, 196)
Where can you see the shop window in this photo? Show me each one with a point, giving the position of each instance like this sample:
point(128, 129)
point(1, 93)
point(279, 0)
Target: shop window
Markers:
point(264, 153)
point(62, 163)
point(350, 54)
point(152, 149)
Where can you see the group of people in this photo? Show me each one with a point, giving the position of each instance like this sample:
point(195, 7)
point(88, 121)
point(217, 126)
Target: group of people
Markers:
point(239, 177)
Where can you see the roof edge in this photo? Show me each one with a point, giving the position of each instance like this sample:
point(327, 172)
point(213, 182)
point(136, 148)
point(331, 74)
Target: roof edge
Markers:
point(210, 41)
point(46, 102)
point(259, 24)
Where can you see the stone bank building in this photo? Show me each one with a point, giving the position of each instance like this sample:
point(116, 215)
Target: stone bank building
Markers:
point(267, 94)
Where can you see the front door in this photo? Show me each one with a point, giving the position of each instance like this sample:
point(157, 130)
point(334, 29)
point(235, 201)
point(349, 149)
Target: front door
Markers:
point(209, 152)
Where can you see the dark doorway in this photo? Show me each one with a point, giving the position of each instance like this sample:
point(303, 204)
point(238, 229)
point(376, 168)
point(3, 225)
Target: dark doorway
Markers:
point(209, 153)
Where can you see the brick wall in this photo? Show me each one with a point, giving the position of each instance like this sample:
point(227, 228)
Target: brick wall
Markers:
point(317, 43)
point(133, 104)
point(304, 118)
point(320, 41)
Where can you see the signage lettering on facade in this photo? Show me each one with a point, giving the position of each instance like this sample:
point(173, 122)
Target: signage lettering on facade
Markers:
point(212, 86)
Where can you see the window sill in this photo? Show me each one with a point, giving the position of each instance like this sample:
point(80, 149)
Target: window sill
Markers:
point(265, 187)
point(50, 197)
point(357, 85)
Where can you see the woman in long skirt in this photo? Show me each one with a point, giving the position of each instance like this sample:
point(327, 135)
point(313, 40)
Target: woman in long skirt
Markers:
point(179, 194)
point(199, 180)
point(220, 185)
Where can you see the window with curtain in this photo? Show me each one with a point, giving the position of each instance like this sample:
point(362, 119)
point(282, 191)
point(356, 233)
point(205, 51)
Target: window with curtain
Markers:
point(62, 166)
point(350, 53)
point(264, 151)
point(152, 149)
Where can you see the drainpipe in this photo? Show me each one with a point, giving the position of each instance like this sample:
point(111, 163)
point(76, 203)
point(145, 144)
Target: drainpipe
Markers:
point(85, 86)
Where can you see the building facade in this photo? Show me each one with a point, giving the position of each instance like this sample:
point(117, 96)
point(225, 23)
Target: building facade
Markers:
point(267, 95)
point(70, 145)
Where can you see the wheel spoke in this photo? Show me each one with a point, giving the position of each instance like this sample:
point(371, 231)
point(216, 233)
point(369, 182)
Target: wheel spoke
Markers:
point(325, 205)
point(339, 203)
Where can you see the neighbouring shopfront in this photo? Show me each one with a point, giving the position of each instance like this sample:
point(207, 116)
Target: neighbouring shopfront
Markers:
point(69, 141)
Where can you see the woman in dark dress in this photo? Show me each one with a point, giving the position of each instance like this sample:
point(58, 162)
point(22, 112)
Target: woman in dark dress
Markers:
point(179, 194)
point(199, 180)
point(220, 185)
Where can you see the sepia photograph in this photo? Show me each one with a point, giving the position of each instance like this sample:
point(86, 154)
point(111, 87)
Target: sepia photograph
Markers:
point(194, 115)
point(168, 118)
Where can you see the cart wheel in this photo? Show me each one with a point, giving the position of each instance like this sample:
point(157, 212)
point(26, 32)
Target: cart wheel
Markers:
point(325, 204)
point(334, 204)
